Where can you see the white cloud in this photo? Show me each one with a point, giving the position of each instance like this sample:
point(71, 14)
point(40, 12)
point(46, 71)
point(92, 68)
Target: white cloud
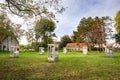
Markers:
point(2, 1)
point(77, 9)
point(24, 41)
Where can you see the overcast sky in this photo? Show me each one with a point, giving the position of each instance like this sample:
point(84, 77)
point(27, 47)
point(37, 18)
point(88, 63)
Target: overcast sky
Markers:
point(76, 10)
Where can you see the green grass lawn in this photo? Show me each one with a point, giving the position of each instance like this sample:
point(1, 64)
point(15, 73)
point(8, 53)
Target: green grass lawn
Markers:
point(71, 66)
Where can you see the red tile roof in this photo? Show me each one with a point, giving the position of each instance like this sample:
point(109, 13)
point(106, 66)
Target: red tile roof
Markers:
point(76, 45)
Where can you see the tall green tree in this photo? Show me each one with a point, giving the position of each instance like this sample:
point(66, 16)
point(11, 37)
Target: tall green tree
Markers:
point(5, 25)
point(83, 34)
point(8, 28)
point(18, 32)
point(92, 30)
point(44, 30)
point(117, 22)
point(98, 32)
point(64, 40)
point(117, 26)
point(30, 35)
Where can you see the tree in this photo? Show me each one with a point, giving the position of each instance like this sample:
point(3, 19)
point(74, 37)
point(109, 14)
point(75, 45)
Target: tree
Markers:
point(64, 40)
point(98, 32)
point(30, 34)
point(83, 34)
point(117, 38)
point(92, 30)
point(44, 30)
point(117, 22)
point(18, 32)
point(8, 28)
point(4, 25)
point(117, 26)
point(31, 8)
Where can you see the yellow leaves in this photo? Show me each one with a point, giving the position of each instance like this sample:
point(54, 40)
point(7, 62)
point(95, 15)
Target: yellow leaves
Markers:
point(117, 22)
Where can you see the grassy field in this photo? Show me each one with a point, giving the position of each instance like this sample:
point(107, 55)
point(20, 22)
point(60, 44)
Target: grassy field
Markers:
point(71, 66)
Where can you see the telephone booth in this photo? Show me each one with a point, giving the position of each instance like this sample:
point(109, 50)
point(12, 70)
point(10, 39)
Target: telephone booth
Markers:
point(64, 50)
point(109, 51)
point(14, 51)
point(41, 50)
point(85, 50)
point(52, 52)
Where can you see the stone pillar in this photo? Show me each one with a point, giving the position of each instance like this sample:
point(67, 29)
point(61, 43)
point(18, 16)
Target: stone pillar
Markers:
point(41, 50)
point(85, 50)
point(109, 51)
point(64, 50)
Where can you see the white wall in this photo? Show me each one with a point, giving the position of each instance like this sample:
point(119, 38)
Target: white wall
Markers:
point(8, 42)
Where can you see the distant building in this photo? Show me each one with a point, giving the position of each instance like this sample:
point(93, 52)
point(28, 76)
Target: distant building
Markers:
point(76, 46)
point(114, 45)
point(6, 42)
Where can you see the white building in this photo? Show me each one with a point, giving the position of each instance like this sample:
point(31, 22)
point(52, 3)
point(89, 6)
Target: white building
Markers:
point(7, 42)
